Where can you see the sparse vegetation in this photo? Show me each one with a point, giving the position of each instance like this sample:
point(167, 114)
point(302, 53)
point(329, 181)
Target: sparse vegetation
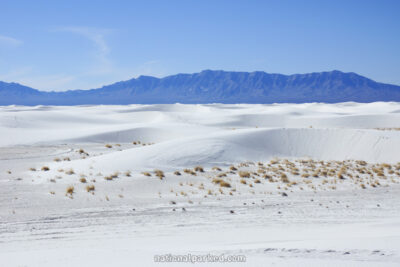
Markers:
point(90, 188)
point(70, 190)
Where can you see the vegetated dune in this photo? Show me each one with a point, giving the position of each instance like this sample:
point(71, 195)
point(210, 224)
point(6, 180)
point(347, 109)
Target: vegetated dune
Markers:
point(228, 147)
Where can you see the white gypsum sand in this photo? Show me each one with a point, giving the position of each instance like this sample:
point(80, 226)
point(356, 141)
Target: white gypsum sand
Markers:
point(285, 184)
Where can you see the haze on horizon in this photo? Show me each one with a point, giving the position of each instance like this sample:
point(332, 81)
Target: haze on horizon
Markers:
point(73, 45)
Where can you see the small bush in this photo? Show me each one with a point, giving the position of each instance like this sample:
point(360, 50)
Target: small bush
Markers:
point(83, 180)
point(90, 188)
point(70, 172)
point(108, 146)
point(216, 169)
point(70, 190)
point(45, 168)
point(198, 169)
point(159, 174)
point(146, 174)
point(284, 178)
point(177, 173)
point(57, 159)
point(244, 174)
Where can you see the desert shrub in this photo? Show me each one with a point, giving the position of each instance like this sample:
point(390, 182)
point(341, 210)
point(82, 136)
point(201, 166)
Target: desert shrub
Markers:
point(257, 181)
point(233, 168)
point(244, 174)
point(159, 174)
point(70, 190)
point(57, 159)
point(90, 188)
point(284, 178)
point(83, 180)
point(216, 169)
point(198, 169)
point(108, 146)
point(70, 172)
point(32, 169)
point(45, 168)
point(177, 173)
point(146, 174)
point(242, 181)
point(189, 171)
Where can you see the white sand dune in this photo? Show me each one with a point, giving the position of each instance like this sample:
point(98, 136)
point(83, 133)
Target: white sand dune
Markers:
point(131, 218)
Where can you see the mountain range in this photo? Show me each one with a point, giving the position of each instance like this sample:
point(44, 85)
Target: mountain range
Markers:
point(211, 86)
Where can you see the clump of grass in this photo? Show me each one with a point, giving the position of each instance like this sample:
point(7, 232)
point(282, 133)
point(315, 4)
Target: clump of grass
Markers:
point(284, 178)
point(45, 168)
point(189, 171)
point(221, 175)
point(233, 168)
point(57, 159)
point(217, 181)
point(243, 181)
point(198, 169)
point(52, 192)
point(159, 174)
point(67, 159)
point(108, 146)
point(81, 151)
point(70, 190)
point(216, 169)
point(257, 181)
point(134, 142)
point(90, 188)
point(83, 180)
point(177, 173)
point(146, 174)
point(70, 172)
point(112, 176)
point(32, 169)
point(128, 173)
point(244, 174)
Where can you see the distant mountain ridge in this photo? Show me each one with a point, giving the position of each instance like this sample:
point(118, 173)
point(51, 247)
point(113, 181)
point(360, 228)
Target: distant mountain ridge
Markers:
point(215, 87)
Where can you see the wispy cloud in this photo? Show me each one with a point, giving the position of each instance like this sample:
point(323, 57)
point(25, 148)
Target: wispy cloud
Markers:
point(98, 37)
point(9, 41)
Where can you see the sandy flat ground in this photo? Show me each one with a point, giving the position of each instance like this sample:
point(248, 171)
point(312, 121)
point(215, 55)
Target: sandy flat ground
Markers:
point(283, 184)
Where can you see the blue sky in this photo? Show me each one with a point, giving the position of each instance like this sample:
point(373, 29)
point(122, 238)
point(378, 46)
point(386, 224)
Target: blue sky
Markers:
point(59, 45)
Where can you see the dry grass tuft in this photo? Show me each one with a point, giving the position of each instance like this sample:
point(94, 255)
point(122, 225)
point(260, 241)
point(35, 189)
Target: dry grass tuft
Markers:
point(57, 159)
point(90, 188)
point(177, 173)
point(70, 190)
point(284, 178)
point(189, 171)
point(242, 181)
point(159, 174)
point(45, 168)
point(198, 169)
point(221, 182)
point(70, 172)
point(244, 174)
point(146, 174)
point(216, 169)
point(108, 146)
point(233, 168)
point(83, 180)
point(32, 169)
